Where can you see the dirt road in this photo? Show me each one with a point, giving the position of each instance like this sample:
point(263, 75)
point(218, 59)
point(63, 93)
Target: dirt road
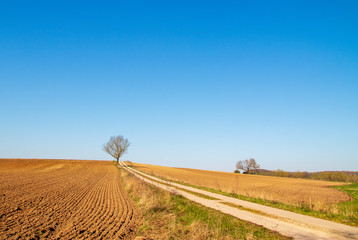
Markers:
point(287, 223)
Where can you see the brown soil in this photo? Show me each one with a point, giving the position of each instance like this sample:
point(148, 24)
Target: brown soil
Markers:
point(68, 199)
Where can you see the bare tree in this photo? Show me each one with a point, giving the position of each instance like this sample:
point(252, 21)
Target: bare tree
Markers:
point(248, 165)
point(240, 165)
point(116, 146)
point(253, 165)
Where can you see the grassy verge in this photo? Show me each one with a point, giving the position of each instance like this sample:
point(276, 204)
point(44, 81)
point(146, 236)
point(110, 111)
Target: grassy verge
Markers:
point(170, 216)
point(345, 212)
point(350, 208)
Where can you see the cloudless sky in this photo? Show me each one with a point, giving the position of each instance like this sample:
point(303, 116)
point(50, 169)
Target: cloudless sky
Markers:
point(197, 84)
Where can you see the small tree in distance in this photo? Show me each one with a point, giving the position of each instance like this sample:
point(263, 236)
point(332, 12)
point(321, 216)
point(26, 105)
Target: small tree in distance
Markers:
point(248, 165)
point(116, 146)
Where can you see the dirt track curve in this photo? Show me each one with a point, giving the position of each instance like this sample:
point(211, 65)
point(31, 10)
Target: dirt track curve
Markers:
point(287, 223)
point(64, 199)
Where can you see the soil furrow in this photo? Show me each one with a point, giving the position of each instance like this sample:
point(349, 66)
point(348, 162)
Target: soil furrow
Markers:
point(64, 199)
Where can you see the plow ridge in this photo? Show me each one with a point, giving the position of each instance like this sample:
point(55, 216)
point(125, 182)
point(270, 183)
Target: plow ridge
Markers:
point(80, 199)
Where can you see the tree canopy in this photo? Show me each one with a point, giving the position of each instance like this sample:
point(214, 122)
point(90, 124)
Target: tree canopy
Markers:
point(248, 165)
point(116, 146)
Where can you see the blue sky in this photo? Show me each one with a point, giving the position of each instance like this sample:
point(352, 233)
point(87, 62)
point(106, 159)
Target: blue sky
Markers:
point(198, 85)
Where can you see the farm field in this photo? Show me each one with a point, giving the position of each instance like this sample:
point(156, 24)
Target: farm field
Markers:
point(64, 199)
point(171, 216)
point(285, 190)
point(287, 223)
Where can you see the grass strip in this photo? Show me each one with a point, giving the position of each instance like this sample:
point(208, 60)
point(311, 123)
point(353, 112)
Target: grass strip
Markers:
point(197, 194)
point(246, 209)
point(256, 212)
point(350, 207)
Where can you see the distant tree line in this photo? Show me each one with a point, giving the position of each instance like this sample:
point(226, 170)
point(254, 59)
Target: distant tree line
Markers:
point(250, 166)
point(338, 176)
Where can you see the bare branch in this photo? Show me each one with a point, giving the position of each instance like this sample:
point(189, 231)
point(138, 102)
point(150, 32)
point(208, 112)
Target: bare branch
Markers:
point(116, 146)
point(248, 165)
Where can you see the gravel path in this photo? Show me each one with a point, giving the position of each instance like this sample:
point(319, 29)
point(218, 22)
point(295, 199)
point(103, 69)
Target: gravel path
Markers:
point(287, 223)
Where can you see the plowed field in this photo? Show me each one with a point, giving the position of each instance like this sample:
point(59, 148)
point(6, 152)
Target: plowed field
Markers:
point(286, 190)
point(64, 199)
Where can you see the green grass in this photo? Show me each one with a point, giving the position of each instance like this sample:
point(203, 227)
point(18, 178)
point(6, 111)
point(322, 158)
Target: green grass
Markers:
point(350, 207)
point(247, 209)
point(345, 212)
point(170, 216)
point(190, 212)
point(197, 194)
point(351, 190)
